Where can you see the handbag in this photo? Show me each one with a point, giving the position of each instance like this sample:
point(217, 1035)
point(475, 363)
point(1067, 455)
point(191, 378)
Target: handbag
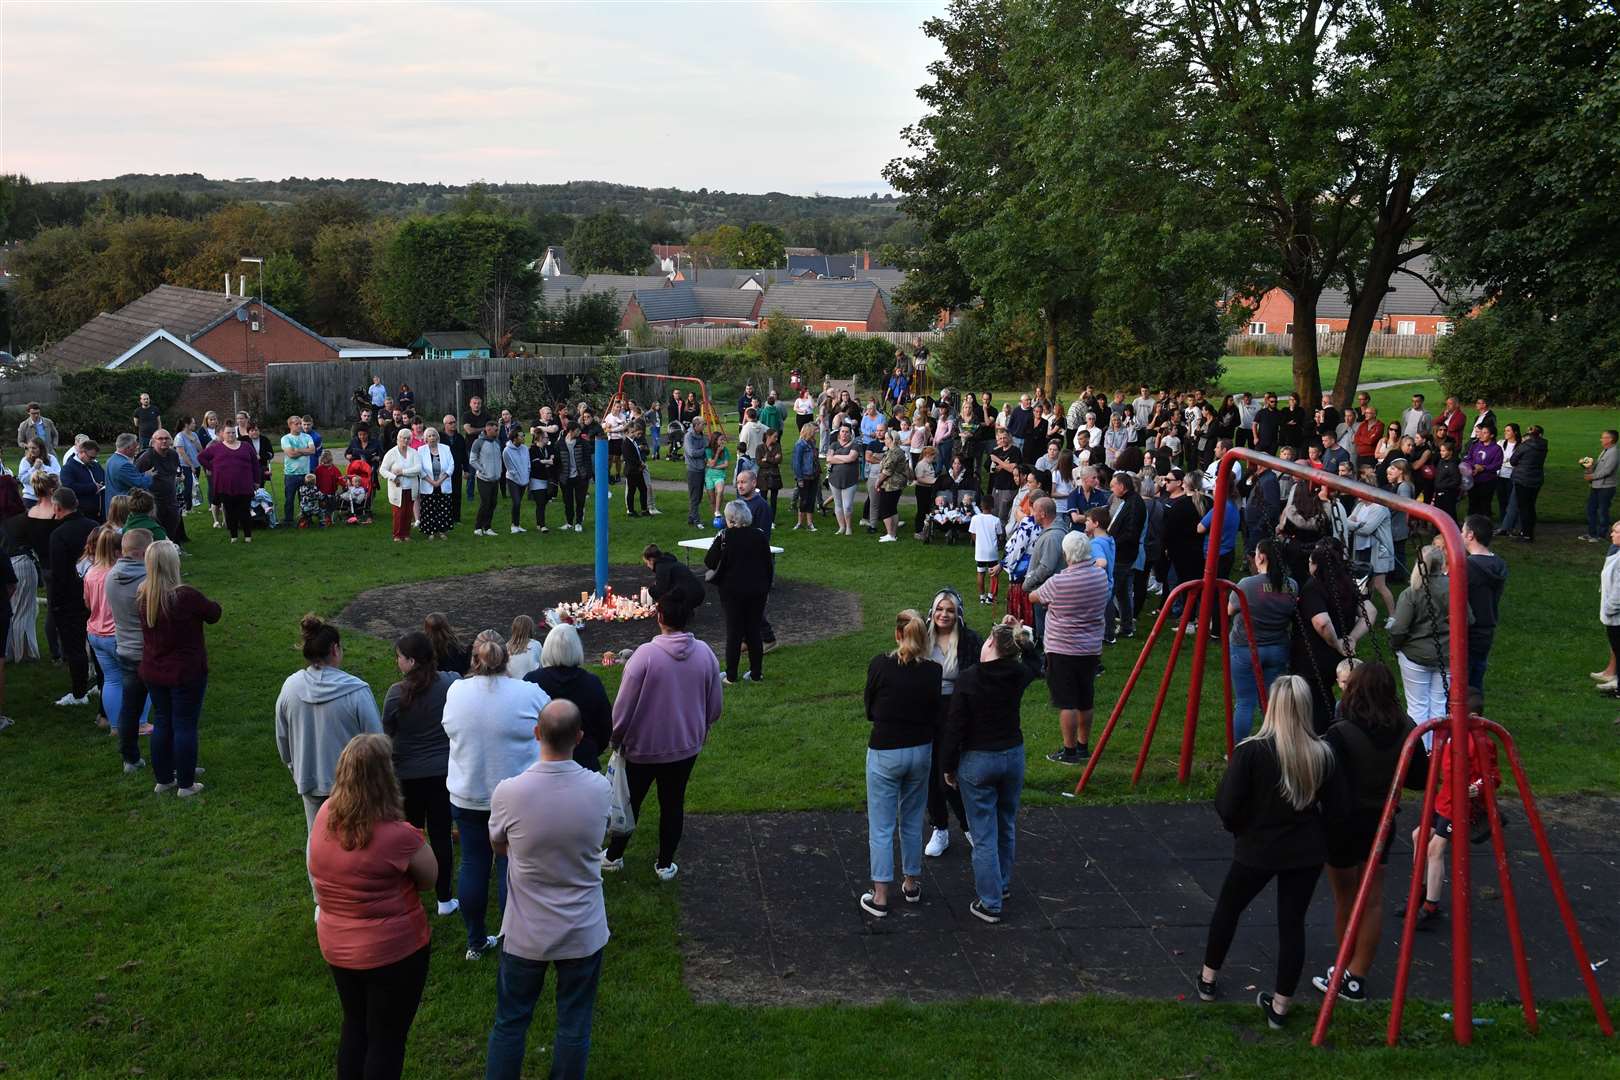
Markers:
point(621, 818)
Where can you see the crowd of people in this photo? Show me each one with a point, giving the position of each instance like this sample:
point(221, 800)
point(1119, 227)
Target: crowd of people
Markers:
point(1088, 512)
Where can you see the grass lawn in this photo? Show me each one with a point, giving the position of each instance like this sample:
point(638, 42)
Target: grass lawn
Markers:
point(1261, 373)
point(146, 935)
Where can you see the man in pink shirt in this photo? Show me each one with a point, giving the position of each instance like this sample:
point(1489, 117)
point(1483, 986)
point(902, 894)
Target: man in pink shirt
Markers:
point(549, 821)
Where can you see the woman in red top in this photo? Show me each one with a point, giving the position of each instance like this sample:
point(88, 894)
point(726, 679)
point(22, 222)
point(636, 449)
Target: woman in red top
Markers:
point(174, 666)
point(368, 865)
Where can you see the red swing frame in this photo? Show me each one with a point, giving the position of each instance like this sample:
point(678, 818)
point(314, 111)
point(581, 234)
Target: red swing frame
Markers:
point(1455, 728)
point(710, 415)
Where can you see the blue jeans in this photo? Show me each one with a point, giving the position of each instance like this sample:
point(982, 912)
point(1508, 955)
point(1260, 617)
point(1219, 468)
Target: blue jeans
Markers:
point(289, 492)
point(477, 858)
point(1597, 513)
point(896, 780)
point(992, 781)
point(112, 677)
point(175, 711)
point(517, 989)
point(1245, 694)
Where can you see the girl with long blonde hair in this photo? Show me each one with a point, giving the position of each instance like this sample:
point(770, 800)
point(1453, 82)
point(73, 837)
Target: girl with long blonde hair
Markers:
point(1280, 786)
point(902, 704)
point(174, 666)
point(522, 650)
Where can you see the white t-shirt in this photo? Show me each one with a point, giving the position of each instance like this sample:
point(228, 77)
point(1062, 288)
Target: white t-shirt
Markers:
point(490, 720)
point(751, 435)
point(520, 664)
point(986, 530)
point(804, 406)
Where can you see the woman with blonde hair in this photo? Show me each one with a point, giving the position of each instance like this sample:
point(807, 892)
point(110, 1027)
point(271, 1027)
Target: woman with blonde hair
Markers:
point(401, 468)
point(1420, 634)
point(902, 704)
point(174, 666)
point(522, 649)
point(368, 864)
point(1281, 787)
point(490, 719)
point(102, 630)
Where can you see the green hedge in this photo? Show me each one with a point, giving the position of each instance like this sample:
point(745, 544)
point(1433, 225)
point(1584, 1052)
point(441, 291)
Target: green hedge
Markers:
point(100, 403)
point(1513, 352)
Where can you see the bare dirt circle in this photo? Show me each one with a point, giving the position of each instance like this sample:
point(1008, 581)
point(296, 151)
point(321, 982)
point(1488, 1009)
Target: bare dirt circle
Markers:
point(799, 612)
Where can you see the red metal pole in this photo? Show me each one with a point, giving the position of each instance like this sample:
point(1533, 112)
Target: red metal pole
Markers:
point(1420, 869)
point(1164, 687)
point(1386, 829)
point(1462, 969)
point(1130, 686)
point(1554, 878)
point(1510, 902)
point(1206, 616)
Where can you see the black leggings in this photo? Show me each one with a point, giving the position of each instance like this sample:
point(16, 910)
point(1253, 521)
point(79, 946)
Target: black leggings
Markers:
point(1244, 883)
point(745, 624)
point(236, 514)
point(671, 778)
point(1525, 499)
point(379, 1005)
point(942, 798)
point(428, 801)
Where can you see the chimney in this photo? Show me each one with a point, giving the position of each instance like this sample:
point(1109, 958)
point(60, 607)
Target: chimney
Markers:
point(241, 284)
point(866, 260)
point(227, 283)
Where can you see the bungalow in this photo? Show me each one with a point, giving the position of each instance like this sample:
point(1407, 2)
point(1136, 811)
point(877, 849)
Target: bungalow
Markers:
point(452, 345)
point(1411, 306)
point(199, 330)
point(837, 307)
point(690, 305)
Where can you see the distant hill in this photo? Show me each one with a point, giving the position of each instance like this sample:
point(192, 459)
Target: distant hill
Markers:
point(829, 222)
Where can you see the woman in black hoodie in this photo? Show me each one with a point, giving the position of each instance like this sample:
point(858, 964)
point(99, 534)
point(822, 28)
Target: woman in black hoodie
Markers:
point(1529, 473)
point(1280, 787)
point(1367, 744)
point(984, 756)
point(740, 567)
point(954, 646)
point(562, 675)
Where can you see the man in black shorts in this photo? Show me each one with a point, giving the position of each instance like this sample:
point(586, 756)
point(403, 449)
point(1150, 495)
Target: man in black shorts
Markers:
point(1075, 599)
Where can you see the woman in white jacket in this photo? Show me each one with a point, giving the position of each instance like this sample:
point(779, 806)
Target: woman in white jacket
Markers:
point(1609, 609)
point(1372, 540)
point(435, 476)
point(490, 718)
point(399, 468)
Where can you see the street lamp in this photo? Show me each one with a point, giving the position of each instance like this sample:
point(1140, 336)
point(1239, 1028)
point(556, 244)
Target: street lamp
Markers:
point(260, 261)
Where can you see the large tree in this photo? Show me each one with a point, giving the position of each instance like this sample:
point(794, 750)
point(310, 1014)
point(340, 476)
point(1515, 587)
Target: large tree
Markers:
point(457, 272)
point(608, 243)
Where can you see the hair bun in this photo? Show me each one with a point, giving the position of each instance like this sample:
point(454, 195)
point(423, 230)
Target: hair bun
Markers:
point(311, 624)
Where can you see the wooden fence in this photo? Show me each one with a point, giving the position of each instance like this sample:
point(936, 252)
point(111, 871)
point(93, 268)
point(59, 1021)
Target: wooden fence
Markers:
point(735, 337)
point(326, 390)
point(15, 392)
point(1241, 344)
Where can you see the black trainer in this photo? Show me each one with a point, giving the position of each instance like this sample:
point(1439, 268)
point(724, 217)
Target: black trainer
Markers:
point(1351, 989)
point(1207, 991)
point(1276, 1020)
point(1066, 755)
point(979, 911)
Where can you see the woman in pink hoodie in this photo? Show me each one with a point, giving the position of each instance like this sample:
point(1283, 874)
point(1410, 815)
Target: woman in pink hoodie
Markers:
point(668, 700)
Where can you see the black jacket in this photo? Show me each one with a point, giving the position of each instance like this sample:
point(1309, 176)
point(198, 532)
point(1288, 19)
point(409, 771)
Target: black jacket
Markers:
point(595, 711)
point(371, 453)
point(1530, 463)
point(64, 588)
point(1126, 529)
point(741, 560)
point(1263, 509)
point(669, 574)
point(985, 706)
point(1270, 833)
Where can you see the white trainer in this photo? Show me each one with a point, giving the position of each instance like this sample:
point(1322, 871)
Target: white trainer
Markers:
point(518, 529)
point(667, 873)
point(450, 906)
point(937, 843)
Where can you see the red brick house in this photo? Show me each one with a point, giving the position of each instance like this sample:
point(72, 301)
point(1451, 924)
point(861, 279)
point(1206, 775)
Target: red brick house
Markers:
point(832, 306)
point(1411, 306)
point(692, 305)
point(201, 331)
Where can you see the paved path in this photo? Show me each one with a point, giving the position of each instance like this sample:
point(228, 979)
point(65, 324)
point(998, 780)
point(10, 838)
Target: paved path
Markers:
point(1106, 900)
point(1387, 383)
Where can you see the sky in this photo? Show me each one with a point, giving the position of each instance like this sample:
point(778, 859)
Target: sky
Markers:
point(742, 97)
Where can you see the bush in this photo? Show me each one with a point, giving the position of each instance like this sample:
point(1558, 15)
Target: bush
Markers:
point(100, 403)
point(1514, 352)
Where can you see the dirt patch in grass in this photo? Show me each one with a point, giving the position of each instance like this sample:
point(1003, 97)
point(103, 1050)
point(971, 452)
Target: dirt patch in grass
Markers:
point(799, 612)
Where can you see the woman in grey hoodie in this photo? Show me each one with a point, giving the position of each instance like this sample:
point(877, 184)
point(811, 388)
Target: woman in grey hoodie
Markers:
point(319, 710)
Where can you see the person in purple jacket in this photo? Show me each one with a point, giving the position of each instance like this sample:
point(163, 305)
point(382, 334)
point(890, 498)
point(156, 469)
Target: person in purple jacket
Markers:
point(668, 700)
point(1484, 458)
point(233, 474)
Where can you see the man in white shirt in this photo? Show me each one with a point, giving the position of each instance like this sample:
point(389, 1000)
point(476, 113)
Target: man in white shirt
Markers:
point(1246, 410)
point(751, 434)
point(548, 821)
point(1143, 405)
point(1416, 420)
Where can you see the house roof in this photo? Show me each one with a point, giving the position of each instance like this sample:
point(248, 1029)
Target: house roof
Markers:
point(1409, 294)
point(887, 278)
point(450, 339)
point(683, 301)
point(801, 251)
point(668, 251)
point(182, 312)
point(827, 266)
point(355, 349)
point(135, 350)
point(851, 300)
point(559, 257)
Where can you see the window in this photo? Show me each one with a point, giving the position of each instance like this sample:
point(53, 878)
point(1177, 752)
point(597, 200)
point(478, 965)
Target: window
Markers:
point(1444, 327)
point(840, 329)
point(1406, 326)
point(1288, 328)
point(1324, 328)
point(1256, 329)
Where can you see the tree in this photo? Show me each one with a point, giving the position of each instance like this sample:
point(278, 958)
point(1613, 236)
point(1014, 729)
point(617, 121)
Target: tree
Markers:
point(286, 286)
point(1535, 169)
point(458, 271)
point(762, 247)
point(577, 319)
point(342, 297)
point(723, 245)
point(607, 243)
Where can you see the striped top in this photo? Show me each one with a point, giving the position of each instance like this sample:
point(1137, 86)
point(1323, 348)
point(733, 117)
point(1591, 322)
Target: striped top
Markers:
point(1075, 600)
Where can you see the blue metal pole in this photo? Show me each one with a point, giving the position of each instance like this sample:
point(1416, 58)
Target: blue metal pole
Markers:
point(604, 500)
